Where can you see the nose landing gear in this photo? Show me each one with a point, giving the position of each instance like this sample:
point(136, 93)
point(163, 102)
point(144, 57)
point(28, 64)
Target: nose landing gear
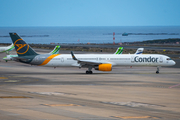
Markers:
point(157, 72)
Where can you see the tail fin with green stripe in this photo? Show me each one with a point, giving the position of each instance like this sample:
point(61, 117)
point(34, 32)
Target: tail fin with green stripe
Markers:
point(119, 50)
point(55, 50)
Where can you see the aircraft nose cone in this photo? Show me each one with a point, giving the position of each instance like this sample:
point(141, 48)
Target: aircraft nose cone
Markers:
point(173, 62)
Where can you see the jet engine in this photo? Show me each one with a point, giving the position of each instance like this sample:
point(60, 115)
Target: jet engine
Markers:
point(104, 67)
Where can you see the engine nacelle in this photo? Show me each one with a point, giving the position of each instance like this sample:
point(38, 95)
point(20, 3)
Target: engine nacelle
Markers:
point(104, 67)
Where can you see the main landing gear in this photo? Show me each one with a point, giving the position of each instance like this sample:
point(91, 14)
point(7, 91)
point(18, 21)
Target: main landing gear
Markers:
point(157, 72)
point(89, 70)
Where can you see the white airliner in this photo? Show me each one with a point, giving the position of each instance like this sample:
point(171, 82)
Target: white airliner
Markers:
point(101, 62)
point(7, 49)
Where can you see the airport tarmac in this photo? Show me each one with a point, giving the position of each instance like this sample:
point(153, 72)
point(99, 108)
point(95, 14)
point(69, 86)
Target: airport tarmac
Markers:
point(40, 93)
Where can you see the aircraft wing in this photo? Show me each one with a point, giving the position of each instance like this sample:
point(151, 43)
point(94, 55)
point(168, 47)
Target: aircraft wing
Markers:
point(86, 63)
point(91, 63)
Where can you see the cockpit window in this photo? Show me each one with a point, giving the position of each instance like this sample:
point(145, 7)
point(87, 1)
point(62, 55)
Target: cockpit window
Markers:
point(168, 59)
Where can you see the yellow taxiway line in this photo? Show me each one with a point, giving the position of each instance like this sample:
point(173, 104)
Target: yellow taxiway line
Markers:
point(3, 78)
point(14, 97)
point(54, 105)
point(134, 117)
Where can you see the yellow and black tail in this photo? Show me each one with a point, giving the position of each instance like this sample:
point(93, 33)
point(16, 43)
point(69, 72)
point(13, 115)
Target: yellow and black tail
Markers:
point(21, 47)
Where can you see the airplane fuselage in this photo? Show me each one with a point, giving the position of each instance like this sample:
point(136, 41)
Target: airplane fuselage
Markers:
point(116, 60)
point(8, 48)
point(3, 49)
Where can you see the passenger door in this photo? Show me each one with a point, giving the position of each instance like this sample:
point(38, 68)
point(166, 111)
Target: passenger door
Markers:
point(160, 59)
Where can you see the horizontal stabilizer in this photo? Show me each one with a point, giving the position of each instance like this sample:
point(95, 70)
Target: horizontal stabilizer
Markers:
point(21, 59)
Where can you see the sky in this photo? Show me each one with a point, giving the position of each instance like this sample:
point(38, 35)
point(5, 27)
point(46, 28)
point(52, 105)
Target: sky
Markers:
point(23, 13)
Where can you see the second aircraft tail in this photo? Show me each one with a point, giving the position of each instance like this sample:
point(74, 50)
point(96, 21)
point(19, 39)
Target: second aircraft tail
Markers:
point(139, 51)
point(55, 50)
point(119, 50)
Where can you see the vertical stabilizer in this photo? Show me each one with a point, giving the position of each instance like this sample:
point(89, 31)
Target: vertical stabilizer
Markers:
point(20, 45)
point(139, 51)
point(119, 50)
point(55, 50)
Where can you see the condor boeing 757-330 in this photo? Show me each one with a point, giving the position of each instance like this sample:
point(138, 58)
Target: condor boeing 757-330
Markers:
point(101, 62)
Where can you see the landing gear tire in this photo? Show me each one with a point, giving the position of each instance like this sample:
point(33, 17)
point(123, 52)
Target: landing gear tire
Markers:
point(157, 72)
point(89, 72)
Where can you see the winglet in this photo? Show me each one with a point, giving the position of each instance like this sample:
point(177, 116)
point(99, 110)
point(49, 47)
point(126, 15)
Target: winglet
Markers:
point(74, 58)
